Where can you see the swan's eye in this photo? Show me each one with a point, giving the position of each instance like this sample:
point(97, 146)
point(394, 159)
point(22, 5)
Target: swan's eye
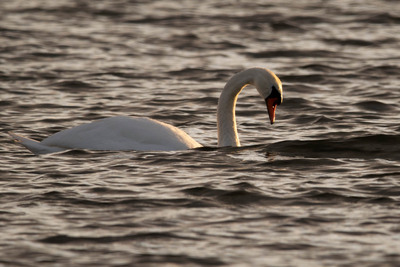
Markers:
point(275, 94)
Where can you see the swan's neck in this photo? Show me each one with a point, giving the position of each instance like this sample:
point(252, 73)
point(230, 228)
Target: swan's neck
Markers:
point(226, 119)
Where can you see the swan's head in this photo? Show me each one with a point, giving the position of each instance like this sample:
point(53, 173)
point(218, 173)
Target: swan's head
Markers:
point(270, 88)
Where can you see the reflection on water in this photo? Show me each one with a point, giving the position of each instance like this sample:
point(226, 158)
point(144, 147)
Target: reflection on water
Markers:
point(319, 187)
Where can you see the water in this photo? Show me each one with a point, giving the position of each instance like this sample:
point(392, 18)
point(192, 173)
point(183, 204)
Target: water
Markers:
point(318, 188)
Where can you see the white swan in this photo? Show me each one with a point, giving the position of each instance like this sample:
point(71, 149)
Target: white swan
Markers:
point(128, 133)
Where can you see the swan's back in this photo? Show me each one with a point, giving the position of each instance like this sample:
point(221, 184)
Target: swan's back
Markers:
point(123, 133)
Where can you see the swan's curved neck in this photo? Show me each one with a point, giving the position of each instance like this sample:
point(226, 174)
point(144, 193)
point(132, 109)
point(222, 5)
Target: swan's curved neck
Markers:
point(226, 119)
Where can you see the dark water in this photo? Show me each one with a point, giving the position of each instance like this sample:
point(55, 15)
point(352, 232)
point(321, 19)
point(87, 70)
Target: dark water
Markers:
point(321, 187)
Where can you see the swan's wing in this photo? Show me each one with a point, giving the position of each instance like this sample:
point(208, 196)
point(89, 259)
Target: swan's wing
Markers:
point(123, 133)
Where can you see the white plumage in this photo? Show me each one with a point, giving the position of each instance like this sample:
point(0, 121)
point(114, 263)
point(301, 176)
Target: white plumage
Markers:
point(130, 133)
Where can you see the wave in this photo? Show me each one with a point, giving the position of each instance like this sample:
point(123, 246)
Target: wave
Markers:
point(373, 146)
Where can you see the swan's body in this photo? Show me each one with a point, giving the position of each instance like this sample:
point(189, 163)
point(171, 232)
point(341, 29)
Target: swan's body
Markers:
point(117, 134)
point(129, 133)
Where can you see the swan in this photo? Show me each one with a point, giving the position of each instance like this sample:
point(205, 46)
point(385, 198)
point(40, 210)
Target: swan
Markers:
point(124, 133)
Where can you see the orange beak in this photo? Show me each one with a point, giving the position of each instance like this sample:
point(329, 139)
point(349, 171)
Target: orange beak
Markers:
point(271, 106)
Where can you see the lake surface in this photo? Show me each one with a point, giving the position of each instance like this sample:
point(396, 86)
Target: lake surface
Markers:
point(320, 187)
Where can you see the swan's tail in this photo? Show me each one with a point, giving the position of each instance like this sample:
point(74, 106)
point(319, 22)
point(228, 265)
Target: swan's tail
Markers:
point(34, 146)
